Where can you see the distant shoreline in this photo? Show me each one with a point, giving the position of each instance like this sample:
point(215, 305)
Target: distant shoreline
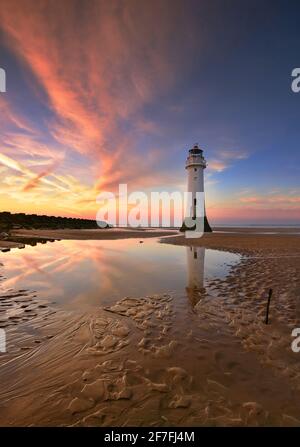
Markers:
point(232, 238)
point(20, 237)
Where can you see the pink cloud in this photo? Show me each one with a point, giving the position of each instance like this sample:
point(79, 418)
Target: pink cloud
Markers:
point(225, 158)
point(287, 200)
point(250, 214)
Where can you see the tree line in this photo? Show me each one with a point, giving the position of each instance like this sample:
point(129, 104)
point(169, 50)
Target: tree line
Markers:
point(10, 221)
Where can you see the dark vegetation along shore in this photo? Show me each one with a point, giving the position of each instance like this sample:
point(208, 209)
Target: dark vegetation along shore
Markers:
point(18, 230)
point(9, 221)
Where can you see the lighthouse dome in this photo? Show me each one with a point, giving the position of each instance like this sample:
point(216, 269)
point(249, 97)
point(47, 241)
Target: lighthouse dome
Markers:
point(196, 150)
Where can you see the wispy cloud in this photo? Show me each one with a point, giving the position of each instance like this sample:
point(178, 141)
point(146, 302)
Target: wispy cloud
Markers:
point(34, 179)
point(225, 159)
point(288, 199)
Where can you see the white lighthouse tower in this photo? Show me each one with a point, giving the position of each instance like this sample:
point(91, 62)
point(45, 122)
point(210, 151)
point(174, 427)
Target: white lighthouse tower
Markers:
point(195, 165)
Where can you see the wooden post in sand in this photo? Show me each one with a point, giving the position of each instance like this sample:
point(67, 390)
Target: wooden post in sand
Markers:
point(268, 305)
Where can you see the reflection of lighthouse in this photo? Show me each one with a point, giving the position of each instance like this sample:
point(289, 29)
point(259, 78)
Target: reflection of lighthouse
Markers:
point(195, 271)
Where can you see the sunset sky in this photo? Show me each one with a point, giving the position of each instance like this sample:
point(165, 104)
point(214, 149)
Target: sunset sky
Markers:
point(105, 92)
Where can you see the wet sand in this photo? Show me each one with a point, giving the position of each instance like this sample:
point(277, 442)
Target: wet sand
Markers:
point(244, 240)
point(259, 230)
point(135, 363)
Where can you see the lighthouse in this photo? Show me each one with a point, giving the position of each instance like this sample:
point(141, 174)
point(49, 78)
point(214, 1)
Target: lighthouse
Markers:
point(195, 213)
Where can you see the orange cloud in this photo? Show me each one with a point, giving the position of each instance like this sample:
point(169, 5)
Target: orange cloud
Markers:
point(217, 166)
point(99, 76)
point(33, 183)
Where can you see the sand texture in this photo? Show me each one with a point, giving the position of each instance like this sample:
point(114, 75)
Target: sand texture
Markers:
point(204, 359)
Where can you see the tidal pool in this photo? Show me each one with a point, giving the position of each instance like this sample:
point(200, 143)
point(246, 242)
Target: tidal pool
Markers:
point(93, 273)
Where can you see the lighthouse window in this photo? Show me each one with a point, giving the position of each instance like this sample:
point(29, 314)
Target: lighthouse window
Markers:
point(195, 169)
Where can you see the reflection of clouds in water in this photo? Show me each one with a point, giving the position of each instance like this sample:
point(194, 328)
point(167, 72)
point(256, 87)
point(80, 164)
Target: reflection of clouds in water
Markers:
point(92, 273)
point(42, 267)
point(73, 269)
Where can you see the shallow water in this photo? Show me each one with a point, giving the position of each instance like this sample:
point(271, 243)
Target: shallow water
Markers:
point(93, 273)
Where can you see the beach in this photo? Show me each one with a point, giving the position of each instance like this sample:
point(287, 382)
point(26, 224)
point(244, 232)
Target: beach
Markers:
point(245, 240)
point(193, 356)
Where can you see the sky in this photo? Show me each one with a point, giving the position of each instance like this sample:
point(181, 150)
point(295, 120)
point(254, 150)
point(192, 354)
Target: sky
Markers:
point(107, 92)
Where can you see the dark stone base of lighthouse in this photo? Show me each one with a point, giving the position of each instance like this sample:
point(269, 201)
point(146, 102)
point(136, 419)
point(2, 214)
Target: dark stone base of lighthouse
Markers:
point(207, 227)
